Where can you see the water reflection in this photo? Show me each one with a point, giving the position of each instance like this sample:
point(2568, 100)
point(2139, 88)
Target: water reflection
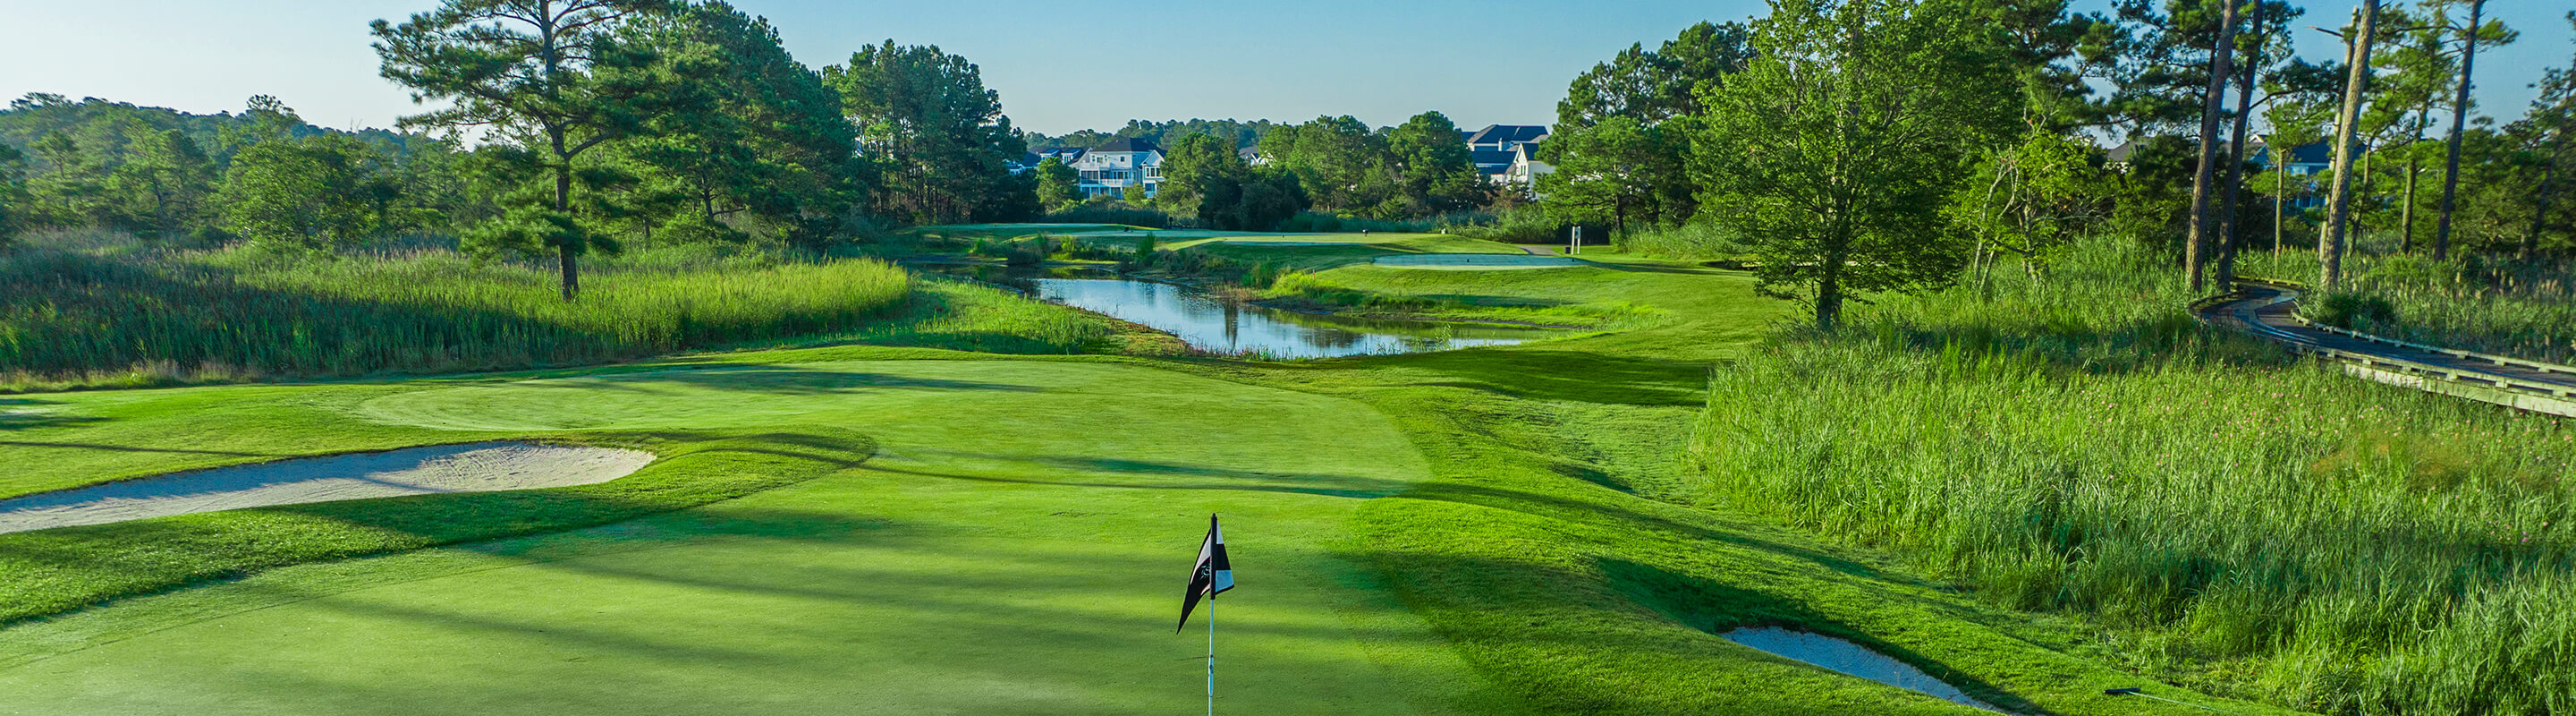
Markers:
point(1853, 659)
point(1232, 328)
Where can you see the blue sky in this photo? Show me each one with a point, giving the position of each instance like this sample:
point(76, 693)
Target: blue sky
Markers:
point(1059, 65)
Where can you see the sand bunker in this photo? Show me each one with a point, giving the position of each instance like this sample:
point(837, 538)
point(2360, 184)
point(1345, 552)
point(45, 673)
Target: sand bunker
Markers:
point(477, 467)
point(1853, 659)
point(1475, 262)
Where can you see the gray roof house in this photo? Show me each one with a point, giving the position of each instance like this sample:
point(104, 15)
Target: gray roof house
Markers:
point(1108, 169)
point(1496, 148)
point(1502, 137)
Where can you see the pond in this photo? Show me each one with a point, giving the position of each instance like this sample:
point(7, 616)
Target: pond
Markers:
point(1853, 659)
point(1234, 328)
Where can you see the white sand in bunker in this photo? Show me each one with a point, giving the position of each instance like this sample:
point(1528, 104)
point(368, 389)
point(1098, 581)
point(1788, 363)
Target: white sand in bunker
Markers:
point(476, 467)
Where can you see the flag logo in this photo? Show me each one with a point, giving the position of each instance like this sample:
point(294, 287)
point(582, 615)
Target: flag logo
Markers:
point(1212, 576)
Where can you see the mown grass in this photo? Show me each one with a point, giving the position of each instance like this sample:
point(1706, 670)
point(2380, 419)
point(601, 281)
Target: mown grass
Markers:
point(2525, 310)
point(2249, 523)
point(1004, 550)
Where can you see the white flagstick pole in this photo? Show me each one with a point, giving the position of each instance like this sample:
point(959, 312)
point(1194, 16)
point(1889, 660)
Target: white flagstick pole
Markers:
point(1211, 649)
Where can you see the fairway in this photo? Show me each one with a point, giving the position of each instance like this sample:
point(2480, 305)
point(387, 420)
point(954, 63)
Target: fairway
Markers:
point(1015, 547)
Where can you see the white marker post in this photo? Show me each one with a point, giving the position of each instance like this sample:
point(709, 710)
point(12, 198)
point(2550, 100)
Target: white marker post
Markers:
point(1574, 240)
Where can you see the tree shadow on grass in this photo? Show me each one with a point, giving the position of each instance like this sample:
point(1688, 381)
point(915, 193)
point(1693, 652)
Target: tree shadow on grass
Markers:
point(769, 380)
point(1567, 375)
point(31, 413)
point(128, 448)
point(1658, 268)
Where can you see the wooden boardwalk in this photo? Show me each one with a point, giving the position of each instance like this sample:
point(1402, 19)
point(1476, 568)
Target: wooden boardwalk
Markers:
point(2271, 311)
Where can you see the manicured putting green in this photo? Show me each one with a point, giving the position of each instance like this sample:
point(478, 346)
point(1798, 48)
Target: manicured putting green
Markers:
point(1475, 262)
point(1018, 546)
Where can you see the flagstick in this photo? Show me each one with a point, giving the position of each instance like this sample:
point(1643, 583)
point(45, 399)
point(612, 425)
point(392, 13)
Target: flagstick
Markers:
point(1211, 654)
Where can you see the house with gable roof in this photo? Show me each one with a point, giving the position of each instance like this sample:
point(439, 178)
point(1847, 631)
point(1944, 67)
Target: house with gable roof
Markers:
point(1502, 152)
point(1108, 169)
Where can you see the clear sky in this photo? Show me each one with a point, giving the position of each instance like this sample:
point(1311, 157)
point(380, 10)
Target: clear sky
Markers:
point(1060, 66)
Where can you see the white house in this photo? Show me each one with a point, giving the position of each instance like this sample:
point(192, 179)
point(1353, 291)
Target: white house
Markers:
point(1498, 148)
point(1525, 167)
point(1107, 170)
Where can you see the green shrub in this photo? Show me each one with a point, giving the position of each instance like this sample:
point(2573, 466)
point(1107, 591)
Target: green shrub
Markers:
point(1112, 211)
point(1695, 241)
point(1526, 224)
point(2357, 311)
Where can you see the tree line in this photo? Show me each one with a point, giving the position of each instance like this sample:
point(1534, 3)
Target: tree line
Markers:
point(1867, 145)
point(561, 129)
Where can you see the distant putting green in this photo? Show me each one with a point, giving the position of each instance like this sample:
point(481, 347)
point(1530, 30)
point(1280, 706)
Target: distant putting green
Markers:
point(1475, 262)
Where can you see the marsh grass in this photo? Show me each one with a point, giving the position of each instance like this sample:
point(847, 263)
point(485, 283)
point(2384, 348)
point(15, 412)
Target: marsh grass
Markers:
point(2521, 309)
point(2247, 522)
point(100, 312)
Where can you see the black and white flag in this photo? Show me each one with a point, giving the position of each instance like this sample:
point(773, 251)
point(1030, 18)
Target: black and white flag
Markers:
point(1212, 575)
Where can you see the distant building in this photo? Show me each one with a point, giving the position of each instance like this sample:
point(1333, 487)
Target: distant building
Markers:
point(1498, 148)
point(1525, 167)
point(1108, 169)
point(1502, 137)
point(2304, 160)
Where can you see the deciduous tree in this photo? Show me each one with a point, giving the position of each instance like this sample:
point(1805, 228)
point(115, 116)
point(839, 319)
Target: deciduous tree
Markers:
point(1835, 149)
point(1193, 164)
point(163, 181)
point(1339, 161)
point(1611, 171)
point(1436, 170)
point(13, 193)
point(317, 193)
point(1059, 184)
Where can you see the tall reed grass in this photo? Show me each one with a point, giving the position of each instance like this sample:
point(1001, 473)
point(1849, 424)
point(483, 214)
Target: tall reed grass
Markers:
point(2244, 521)
point(85, 309)
point(2521, 309)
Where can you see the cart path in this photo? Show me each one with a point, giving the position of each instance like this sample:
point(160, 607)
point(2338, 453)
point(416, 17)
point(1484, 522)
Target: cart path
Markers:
point(2266, 311)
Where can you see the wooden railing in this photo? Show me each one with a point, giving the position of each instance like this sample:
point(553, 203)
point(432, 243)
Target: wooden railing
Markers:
point(2546, 397)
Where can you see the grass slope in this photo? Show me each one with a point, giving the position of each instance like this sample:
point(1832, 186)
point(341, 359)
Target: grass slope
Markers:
point(1501, 530)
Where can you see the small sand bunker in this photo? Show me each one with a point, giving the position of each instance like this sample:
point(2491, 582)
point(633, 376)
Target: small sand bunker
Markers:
point(1475, 262)
point(1852, 659)
point(477, 467)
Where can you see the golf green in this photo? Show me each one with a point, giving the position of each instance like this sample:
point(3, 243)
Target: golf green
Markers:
point(1018, 545)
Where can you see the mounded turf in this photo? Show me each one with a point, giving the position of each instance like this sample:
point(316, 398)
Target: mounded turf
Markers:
point(1483, 531)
